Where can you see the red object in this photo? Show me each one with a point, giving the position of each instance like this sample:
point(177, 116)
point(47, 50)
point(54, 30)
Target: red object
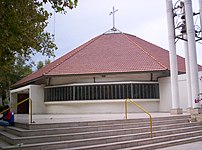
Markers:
point(109, 53)
point(197, 100)
point(7, 116)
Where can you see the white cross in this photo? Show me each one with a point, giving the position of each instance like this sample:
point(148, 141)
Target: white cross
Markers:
point(113, 12)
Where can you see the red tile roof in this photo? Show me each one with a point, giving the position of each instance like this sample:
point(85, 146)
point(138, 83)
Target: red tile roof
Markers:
point(109, 53)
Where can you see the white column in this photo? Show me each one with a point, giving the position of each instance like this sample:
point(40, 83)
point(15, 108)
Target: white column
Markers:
point(192, 52)
point(189, 95)
point(172, 55)
point(200, 10)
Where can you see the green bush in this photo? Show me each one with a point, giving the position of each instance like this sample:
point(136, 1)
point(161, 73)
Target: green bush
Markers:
point(1, 108)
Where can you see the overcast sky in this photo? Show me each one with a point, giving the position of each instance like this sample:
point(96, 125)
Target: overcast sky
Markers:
point(143, 18)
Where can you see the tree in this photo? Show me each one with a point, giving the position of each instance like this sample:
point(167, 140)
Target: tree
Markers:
point(22, 28)
point(13, 72)
point(22, 34)
point(60, 5)
point(41, 64)
point(47, 61)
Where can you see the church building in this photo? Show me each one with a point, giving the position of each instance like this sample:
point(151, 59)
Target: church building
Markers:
point(99, 75)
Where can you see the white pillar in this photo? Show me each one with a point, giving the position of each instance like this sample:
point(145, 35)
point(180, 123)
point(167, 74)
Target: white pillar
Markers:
point(172, 55)
point(189, 95)
point(200, 10)
point(192, 52)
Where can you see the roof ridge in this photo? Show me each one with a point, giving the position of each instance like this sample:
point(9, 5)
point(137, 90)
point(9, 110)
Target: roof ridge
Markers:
point(75, 51)
point(145, 51)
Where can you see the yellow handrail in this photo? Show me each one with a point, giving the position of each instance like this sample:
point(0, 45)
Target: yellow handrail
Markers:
point(126, 112)
point(19, 104)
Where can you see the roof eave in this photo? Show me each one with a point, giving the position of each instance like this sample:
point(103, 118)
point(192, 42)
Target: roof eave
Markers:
point(106, 73)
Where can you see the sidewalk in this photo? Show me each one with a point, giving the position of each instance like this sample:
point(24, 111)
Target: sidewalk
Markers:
point(191, 146)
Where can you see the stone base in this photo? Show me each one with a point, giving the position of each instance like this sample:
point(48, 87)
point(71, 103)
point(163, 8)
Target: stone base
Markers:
point(176, 111)
point(189, 110)
point(199, 118)
point(195, 111)
point(192, 118)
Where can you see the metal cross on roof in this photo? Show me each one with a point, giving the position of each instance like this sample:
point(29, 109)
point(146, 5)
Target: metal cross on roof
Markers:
point(113, 13)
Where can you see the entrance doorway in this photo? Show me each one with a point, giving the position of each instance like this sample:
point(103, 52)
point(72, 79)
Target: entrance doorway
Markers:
point(24, 107)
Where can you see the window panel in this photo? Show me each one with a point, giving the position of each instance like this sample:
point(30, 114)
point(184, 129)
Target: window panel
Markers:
point(96, 92)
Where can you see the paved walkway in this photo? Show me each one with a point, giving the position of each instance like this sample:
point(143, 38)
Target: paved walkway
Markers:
point(57, 118)
point(191, 146)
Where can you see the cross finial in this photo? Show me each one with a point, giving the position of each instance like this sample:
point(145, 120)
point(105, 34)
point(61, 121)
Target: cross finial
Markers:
point(113, 13)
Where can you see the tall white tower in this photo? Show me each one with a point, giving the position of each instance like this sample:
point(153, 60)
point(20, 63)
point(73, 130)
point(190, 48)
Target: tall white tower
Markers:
point(173, 59)
point(183, 11)
point(192, 52)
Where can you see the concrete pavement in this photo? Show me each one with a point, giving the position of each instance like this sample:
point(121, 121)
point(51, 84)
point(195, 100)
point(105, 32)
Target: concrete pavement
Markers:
point(190, 146)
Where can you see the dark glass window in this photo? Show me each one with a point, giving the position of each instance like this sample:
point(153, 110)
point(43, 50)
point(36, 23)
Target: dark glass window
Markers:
point(101, 92)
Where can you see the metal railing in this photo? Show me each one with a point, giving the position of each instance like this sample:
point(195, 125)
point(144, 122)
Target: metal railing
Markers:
point(126, 112)
point(15, 105)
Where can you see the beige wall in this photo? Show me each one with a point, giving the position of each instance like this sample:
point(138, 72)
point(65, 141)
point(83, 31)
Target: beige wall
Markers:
point(101, 106)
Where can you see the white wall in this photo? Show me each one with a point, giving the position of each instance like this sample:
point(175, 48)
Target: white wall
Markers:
point(183, 91)
point(106, 78)
point(165, 92)
point(200, 84)
point(101, 106)
point(37, 95)
point(165, 104)
point(200, 81)
point(13, 101)
point(14, 96)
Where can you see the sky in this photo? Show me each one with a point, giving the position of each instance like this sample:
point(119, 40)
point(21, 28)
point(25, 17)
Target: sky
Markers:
point(145, 19)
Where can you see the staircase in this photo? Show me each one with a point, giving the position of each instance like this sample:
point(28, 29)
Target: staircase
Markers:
point(131, 134)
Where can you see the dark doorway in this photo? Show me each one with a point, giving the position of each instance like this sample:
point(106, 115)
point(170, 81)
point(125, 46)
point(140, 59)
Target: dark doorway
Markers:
point(24, 107)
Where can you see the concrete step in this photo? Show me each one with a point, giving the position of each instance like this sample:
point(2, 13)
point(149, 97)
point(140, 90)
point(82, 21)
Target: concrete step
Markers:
point(3, 143)
point(107, 145)
point(98, 123)
point(107, 134)
point(136, 144)
point(165, 144)
point(95, 134)
point(90, 128)
point(103, 140)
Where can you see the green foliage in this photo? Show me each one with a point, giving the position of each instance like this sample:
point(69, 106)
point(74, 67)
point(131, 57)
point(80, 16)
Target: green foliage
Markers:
point(60, 5)
point(47, 61)
point(1, 108)
point(22, 30)
point(41, 64)
point(22, 34)
point(12, 72)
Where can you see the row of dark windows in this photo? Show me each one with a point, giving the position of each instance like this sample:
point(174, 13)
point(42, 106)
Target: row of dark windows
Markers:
point(101, 92)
